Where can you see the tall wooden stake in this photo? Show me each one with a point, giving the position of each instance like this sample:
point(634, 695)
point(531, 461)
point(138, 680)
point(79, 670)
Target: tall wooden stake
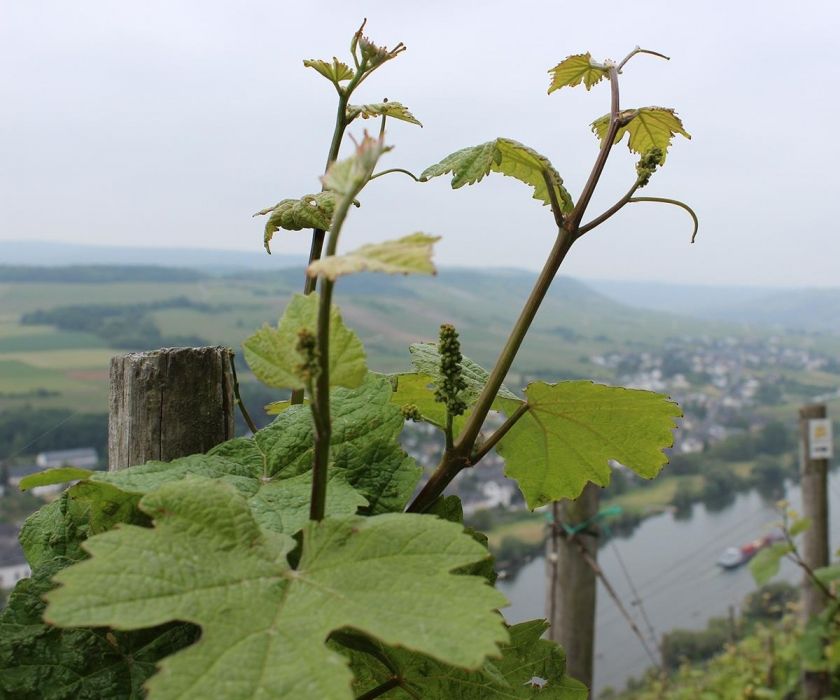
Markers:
point(814, 481)
point(169, 403)
point(570, 594)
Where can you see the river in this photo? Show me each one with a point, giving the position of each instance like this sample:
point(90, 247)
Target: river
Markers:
point(671, 562)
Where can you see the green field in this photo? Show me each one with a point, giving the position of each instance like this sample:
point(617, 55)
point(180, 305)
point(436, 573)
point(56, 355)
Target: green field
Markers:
point(44, 366)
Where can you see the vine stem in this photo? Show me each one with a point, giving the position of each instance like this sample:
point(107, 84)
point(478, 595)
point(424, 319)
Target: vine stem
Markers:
point(614, 209)
point(239, 402)
point(335, 146)
point(797, 559)
point(606, 146)
point(502, 430)
point(390, 684)
point(456, 459)
point(321, 400)
point(318, 235)
point(459, 456)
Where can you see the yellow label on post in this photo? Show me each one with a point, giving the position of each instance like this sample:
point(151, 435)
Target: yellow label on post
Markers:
point(820, 439)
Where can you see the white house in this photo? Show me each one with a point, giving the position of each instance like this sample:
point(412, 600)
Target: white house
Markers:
point(13, 566)
point(85, 458)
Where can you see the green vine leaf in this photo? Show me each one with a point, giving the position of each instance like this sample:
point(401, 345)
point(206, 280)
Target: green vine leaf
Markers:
point(278, 502)
point(57, 530)
point(574, 70)
point(310, 211)
point(335, 72)
point(524, 659)
point(272, 468)
point(275, 408)
point(573, 429)
point(207, 561)
point(364, 445)
point(407, 255)
point(393, 110)
point(649, 128)
point(765, 564)
point(800, 525)
point(418, 388)
point(60, 475)
point(449, 508)
point(39, 661)
point(273, 357)
point(347, 177)
point(508, 157)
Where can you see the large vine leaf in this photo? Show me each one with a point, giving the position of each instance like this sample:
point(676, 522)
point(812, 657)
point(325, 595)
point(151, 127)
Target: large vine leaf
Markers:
point(278, 503)
point(369, 470)
point(394, 110)
point(364, 445)
point(407, 255)
point(529, 667)
point(272, 352)
point(56, 530)
point(450, 508)
point(573, 429)
point(508, 157)
point(42, 662)
point(207, 561)
point(310, 211)
point(574, 70)
point(649, 128)
point(334, 71)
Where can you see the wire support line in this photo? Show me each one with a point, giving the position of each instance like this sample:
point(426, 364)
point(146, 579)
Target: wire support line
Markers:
point(34, 440)
point(612, 593)
point(637, 599)
point(671, 576)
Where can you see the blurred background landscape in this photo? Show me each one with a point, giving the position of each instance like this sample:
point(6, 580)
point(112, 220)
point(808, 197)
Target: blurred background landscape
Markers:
point(740, 361)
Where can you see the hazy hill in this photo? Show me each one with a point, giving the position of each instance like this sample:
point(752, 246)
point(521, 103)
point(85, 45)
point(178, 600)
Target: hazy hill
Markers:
point(811, 310)
point(796, 310)
point(59, 254)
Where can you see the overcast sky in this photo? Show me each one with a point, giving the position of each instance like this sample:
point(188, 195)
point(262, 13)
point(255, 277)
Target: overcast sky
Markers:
point(166, 123)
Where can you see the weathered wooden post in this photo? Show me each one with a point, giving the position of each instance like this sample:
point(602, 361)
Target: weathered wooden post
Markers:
point(169, 403)
point(816, 449)
point(570, 594)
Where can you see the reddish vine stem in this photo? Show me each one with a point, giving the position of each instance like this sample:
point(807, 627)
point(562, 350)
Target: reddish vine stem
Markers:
point(459, 456)
point(614, 209)
point(503, 429)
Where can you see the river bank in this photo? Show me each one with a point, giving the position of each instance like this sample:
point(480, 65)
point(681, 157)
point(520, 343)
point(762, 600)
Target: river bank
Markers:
point(670, 560)
point(517, 537)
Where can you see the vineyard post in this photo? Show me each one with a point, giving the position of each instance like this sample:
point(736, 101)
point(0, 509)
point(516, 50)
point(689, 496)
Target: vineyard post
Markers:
point(570, 594)
point(169, 403)
point(814, 481)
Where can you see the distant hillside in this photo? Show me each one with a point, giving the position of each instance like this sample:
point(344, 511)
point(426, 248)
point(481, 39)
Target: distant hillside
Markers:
point(814, 310)
point(57, 254)
point(97, 274)
point(810, 310)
